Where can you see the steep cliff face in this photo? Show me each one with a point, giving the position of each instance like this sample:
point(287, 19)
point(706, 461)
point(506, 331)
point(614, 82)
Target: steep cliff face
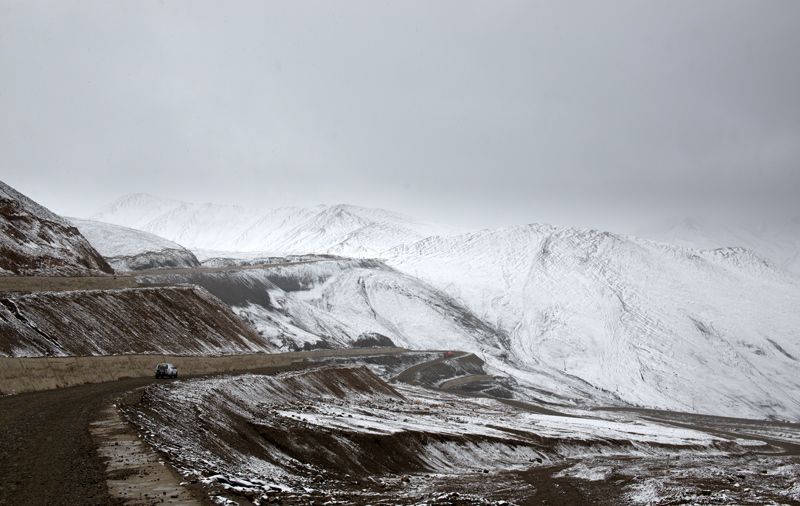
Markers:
point(35, 241)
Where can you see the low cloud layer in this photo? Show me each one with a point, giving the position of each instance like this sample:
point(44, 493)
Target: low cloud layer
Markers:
point(608, 115)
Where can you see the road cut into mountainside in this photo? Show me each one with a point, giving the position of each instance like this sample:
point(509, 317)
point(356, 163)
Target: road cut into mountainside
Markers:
point(115, 282)
point(341, 435)
point(58, 446)
point(64, 283)
point(18, 375)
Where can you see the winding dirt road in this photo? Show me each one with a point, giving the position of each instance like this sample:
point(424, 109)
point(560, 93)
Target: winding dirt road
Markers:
point(47, 454)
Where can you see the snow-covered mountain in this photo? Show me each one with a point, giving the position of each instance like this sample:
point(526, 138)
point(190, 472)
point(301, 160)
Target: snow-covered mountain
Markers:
point(341, 303)
point(573, 313)
point(333, 303)
point(714, 331)
point(35, 241)
point(337, 230)
point(128, 249)
point(778, 242)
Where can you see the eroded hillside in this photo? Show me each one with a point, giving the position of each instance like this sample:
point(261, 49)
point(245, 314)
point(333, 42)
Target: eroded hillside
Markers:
point(36, 242)
point(178, 320)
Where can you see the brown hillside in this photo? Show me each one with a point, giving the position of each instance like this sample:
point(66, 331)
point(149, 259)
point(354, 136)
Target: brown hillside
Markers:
point(178, 320)
point(36, 242)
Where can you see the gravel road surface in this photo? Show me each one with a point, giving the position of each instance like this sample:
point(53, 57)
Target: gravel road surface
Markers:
point(47, 455)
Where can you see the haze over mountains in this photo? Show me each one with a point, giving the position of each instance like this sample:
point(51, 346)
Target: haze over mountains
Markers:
point(337, 230)
point(775, 241)
point(577, 313)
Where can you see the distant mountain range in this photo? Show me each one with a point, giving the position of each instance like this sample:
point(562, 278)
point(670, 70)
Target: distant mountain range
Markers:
point(337, 230)
point(578, 316)
point(778, 242)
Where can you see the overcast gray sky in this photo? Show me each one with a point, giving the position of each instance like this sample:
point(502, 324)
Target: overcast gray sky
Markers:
point(487, 114)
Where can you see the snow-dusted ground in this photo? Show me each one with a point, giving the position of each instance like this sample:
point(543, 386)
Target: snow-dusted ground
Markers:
point(128, 249)
point(185, 320)
point(326, 429)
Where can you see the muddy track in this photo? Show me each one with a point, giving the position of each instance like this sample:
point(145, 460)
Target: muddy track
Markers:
point(125, 279)
point(47, 454)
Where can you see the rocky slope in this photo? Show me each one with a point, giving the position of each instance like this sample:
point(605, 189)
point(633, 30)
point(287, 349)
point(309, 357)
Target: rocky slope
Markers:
point(333, 304)
point(36, 242)
point(177, 321)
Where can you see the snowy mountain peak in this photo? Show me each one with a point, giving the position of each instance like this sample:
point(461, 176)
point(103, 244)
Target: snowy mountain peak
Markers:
point(135, 209)
point(343, 230)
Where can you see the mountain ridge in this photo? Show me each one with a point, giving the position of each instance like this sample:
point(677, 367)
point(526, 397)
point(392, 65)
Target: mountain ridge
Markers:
point(330, 229)
point(641, 319)
point(35, 241)
point(777, 241)
point(648, 323)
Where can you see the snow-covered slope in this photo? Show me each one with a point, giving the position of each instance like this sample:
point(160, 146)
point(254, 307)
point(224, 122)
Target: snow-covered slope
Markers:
point(128, 249)
point(778, 242)
point(338, 230)
point(334, 303)
point(577, 314)
point(35, 241)
point(705, 331)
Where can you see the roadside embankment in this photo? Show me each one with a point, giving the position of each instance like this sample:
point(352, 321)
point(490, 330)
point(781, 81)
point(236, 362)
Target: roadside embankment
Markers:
point(178, 320)
point(25, 374)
